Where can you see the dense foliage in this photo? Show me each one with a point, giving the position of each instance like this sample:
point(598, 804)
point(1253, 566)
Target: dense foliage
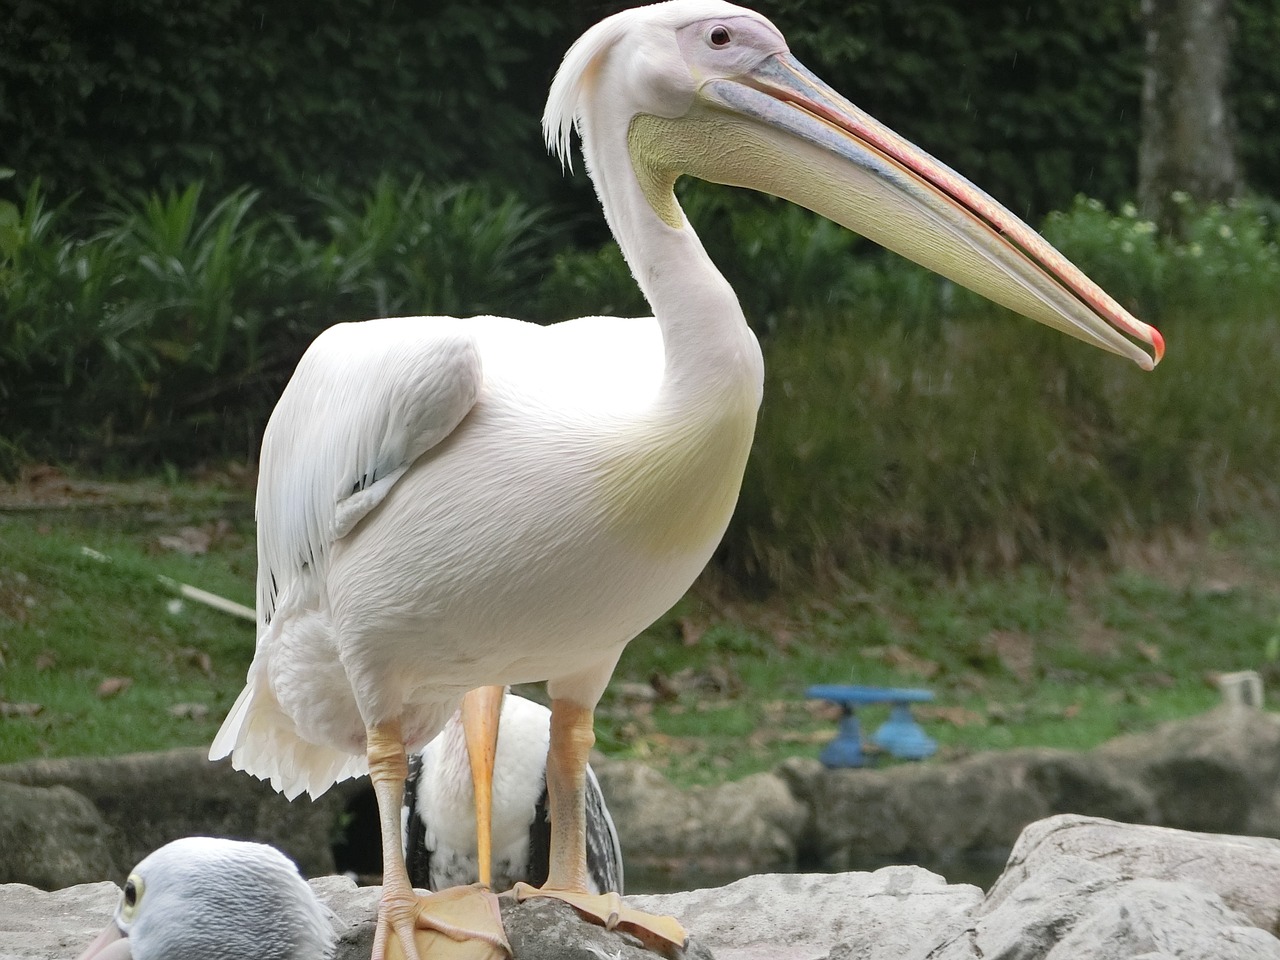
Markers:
point(152, 94)
point(194, 191)
point(1033, 101)
point(903, 417)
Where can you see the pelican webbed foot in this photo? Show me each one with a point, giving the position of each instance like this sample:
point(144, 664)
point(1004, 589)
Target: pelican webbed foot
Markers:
point(611, 912)
point(461, 923)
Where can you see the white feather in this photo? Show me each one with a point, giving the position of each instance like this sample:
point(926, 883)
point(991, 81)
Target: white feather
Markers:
point(446, 503)
point(216, 899)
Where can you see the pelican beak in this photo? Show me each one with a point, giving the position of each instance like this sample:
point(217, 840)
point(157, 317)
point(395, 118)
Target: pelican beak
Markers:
point(110, 944)
point(481, 714)
point(782, 130)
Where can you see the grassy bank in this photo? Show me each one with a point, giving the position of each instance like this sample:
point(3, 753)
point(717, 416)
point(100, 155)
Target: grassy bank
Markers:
point(101, 657)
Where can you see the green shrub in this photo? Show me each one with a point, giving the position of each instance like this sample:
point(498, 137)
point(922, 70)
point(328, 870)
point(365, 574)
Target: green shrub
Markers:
point(1226, 261)
point(166, 332)
point(456, 251)
point(1033, 101)
point(978, 440)
point(903, 417)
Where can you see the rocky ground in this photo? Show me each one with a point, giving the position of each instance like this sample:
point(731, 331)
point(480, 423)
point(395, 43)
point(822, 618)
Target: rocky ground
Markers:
point(78, 821)
point(1199, 877)
point(1075, 887)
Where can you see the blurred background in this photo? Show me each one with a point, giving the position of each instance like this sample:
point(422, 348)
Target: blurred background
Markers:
point(940, 493)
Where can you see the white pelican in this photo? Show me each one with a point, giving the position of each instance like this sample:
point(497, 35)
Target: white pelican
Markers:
point(442, 846)
point(447, 503)
point(216, 899)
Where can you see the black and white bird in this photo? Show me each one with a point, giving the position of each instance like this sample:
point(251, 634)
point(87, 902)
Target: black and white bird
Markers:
point(441, 836)
point(206, 898)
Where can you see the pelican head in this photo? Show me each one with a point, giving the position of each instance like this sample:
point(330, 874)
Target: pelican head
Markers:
point(213, 898)
point(709, 89)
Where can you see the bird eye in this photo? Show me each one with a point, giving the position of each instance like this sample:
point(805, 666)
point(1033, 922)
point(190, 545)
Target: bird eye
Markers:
point(131, 896)
point(719, 36)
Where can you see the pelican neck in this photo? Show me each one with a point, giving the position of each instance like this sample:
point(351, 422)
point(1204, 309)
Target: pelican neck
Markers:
point(706, 340)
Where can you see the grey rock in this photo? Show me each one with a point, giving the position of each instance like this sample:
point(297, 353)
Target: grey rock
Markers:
point(1090, 784)
point(870, 916)
point(1156, 918)
point(1244, 872)
point(1076, 889)
point(1217, 773)
point(38, 925)
point(1079, 887)
point(751, 824)
point(923, 811)
point(549, 930)
point(148, 799)
point(52, 837)
point(536, 929)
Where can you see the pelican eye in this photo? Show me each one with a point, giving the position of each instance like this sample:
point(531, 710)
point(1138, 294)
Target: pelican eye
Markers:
point(719, 36)
point(131, 896)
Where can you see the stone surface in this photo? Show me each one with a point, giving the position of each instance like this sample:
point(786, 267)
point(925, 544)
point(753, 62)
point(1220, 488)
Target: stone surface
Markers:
point(1080, 887)
point(1219, 773)
point(1244, 872)
point(36, 925)
point(879, 916)
point(536, 930)
point(749, 825)
point(1076, 889)
point(1074, 913)
point(148, 799)
point(52, 837)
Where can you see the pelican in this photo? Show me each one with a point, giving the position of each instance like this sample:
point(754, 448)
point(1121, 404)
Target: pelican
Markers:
point(478, 813)
point(448, 503)
point(216, 899)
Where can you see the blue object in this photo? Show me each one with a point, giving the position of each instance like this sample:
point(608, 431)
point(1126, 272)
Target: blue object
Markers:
point(900, 735)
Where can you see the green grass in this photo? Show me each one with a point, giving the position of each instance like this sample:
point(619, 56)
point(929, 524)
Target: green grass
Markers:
point(1019, 659)
point(70, 621)
point(1022, 659)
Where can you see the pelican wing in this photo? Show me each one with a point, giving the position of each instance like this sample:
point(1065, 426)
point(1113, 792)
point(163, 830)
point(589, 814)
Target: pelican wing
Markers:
point(366, 400)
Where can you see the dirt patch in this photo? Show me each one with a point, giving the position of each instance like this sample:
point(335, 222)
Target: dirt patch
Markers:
point(1198, 563)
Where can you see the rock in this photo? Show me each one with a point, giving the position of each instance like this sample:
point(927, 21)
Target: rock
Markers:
point(36, 925)
point(1243, 871)
point(923, 811)
point(1090, 784)
point(808, 916)
point(52, 837)
point(536, 929)
point(1070, 913)
point(1079, 887)
point(1076, 889)
point(148, 799)
point(751, 824)
point(1218, 772)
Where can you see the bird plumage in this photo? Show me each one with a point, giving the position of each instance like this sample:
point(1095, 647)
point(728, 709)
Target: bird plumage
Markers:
point(440, 819)
point(216, 899)
point(445, 504)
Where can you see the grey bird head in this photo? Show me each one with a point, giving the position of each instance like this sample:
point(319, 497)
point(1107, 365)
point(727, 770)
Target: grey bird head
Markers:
point(216, 899)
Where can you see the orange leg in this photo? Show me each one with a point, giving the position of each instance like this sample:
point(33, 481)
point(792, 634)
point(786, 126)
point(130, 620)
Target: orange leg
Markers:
point(481, 717)
point(455, 924)
point(572, 736)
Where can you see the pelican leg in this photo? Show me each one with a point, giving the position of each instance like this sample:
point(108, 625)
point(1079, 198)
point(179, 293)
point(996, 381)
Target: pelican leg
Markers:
point(481, 718)
point(572, 736)
point(458, 924)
